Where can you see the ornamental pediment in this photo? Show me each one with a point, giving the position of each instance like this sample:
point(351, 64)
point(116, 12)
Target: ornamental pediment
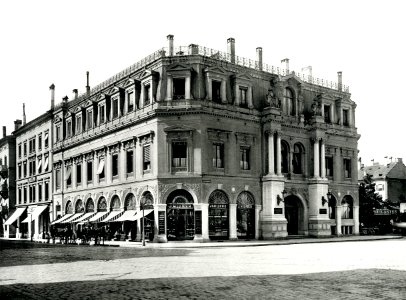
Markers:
point(243, 76)
point(145, 74)
point(77, 109)
point(113, 90)
point(87, 103)
point(178, 129)
point(57, 119)
point(178, 67)
point(216, 70)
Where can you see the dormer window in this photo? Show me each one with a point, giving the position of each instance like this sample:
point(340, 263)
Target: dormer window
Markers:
point(131, 101)
point(102, 113)
point(114, 108)
point(289, 102)
point(178, 88)
point(89, 119)
point(78, 124)
point(216, 91)
point(327, 118)
point(147, 94)
point(243, 97)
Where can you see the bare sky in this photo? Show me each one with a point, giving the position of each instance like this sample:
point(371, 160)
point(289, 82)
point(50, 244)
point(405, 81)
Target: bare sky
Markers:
point(45, 42)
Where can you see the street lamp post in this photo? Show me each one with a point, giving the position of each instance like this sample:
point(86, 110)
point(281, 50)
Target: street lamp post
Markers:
point(143, 225)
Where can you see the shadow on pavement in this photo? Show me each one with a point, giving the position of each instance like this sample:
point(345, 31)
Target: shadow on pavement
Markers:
point(357, 284)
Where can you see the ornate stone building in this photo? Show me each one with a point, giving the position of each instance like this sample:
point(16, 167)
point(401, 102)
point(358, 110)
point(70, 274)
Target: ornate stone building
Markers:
point(216, 146)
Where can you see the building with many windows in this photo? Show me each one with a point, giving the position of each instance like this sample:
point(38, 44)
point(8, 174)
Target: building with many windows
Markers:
point(201, 144)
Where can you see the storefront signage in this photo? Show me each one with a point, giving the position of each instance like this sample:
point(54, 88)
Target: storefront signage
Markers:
point(222, 206)
point(161, 222)
point(385, 212)
point(323, 211)
point(278, 211)
point(181, 205)
point(198, 222)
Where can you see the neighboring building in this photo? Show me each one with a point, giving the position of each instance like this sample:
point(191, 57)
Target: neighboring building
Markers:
point(389, 179)
point(34, 177)
point(7, 182)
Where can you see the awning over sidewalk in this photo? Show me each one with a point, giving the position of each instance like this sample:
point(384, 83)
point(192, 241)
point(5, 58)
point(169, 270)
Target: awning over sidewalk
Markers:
point(85, 217)
point(35, 214)
point(128, 215)
point(62, 219)
point(98, 216)
point(139, 214)
point(73, 218)
point(112, 216)
point(19, 211)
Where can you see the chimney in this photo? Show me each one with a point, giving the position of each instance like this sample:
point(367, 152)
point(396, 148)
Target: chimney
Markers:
point(17, 124)
point(340, 80)
point(65, 100)
point(24, 118)
point(309, 71)
point(52, 88)
point(4, 131)
point(259, 58)
point(400, 160)
point(231, 49)
point(170, 44)
point(75, 93)
point(286, 62)
point(87, 84)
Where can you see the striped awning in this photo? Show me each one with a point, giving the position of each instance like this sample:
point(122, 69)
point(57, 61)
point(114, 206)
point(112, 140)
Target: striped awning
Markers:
point(112, 216)
point(85, 217)
point(73, 218)
point(128, 215)
point(19, 211)
point(140, 214)
point(35, 214)
point(62, 219)
point(98, 216)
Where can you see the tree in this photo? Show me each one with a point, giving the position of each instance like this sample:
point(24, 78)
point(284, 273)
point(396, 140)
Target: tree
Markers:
point(368, 200)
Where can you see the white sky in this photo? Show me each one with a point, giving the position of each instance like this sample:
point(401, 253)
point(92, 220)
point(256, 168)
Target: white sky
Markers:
point(44, 42)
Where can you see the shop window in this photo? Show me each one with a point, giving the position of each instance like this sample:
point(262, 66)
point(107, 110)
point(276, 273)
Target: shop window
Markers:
point(78, 174)
point(216, 91)
point(243, 97)
point(347, 168)
point(89, 166)
point(130, 161)
point(329, 166)
point(114, 168)
point(179, 155)
point(218, 155)
point(244, 158)
point(178, 88)
point(131, 101)
point(345, 117)
point(147, 158)
point(327, 118)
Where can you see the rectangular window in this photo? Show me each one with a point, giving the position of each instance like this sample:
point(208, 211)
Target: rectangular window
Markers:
point(46, 164)
point(68, 129)
point(114, 168)
point(379, 187)
point(39, 166)
point(46, 139)
point(130, 161)
point(58, 133)
point(20, 201)
point(345, 117)
point(40, 192)
point(131, 101)
point(216, 91)
point(78, 174)
point(101, 114)
point(40, 142)
point(244, 158)
point(89, 166)
point(347, 168)
point(89, 118)
point(329, 166)
point(178, 88)
point(179, 155)
point(33, 193)
point(115, 108)
point(19, 150)
point(218, 155)
point(78, 124)
point(100, 170)
point(57, 179)
point(327, 118)
point(146, 158)
point(25, 148)
point(46, 191)
point(147, 96)
point(19, 171)
point(68, 176)
point(243, 97)
point(25, 195)
point(25, 169)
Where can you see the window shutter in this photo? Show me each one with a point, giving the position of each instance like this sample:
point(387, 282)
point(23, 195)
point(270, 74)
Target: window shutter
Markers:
point(147, 153)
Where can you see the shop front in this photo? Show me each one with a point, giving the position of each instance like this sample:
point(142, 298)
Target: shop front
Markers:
point(218, 215)
point(180, 216)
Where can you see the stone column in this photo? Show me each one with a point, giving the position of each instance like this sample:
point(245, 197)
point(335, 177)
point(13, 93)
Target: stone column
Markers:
point(237, 94)
point(356, 219)
point(95, 167)
point(316, 155)
point(107, 168)
point(332, 114)
point(205, 221)
point(323, 159)
point(169, 87)
point(122, 157)
point(138, 238)
point(223, 91)
point(249, 97)
point(278, 155)
point(73, 175)
point(257, 216)
point(338, 219)
point(271, 154)
point(233, 221)
point(209, 95)
point(142, 96)
point(160, 238)
point(187, 88)
point(84, 172)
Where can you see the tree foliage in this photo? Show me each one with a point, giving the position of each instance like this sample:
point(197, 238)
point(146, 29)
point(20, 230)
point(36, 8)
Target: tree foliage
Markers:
point(368, 200)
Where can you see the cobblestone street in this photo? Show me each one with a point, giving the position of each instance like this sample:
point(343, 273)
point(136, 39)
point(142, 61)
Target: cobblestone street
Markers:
point(345, 270)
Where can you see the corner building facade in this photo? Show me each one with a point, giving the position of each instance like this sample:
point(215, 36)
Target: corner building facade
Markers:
point(217, 147)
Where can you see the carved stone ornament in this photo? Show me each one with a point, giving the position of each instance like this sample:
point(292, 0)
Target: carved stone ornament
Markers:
point(195, 187)
point(218, 197)
point(245, 200)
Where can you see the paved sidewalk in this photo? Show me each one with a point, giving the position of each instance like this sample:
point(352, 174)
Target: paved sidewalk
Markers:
point(241, 243)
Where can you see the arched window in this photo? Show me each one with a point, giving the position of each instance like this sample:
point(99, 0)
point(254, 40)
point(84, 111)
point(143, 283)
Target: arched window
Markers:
point(347, 208)
point(90, 205)
point(130, 203)
point(289, 102)
point(102, 204)
point(69, 208)
point(297, 162)
point(285, 157)
point(115, 203)
point(79, 208)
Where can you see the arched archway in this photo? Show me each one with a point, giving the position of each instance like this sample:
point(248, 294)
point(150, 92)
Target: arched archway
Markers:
point(347, 205)
point(69, 207)
point(147, 205)
point(102, 204)
point(298, 158)
point(90, 205)
point(130, 203)
point(115, 203)
point(79, 207)
point(245, 216)
point(180, 216)
point(294, 214)
point(218, 215)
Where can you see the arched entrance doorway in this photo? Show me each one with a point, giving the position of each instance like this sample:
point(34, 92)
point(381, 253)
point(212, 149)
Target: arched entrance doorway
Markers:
point(130, 227)
point(332, 203)
point(218, 215)
point(245, 216)
point(147, 209)
point(180, 216)
point(294, 215)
